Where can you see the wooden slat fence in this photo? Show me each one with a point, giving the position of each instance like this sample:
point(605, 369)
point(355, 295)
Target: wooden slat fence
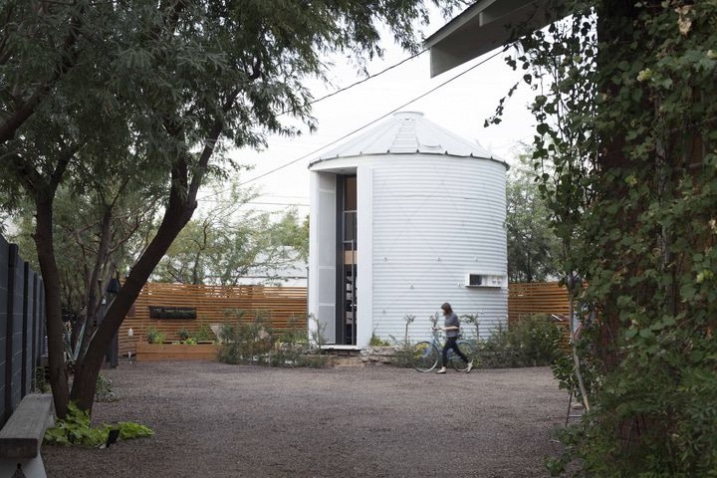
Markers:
point(285, 306)
point(548, 298)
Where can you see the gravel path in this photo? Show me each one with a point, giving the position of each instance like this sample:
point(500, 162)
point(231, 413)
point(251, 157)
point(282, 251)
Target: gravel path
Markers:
point(218, 420)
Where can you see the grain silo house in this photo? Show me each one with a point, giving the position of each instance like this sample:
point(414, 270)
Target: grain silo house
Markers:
point(403, 218)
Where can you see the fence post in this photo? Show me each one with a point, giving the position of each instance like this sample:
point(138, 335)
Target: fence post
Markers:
point(4, 294)
point(28, 310)
point(21, 327)
point(12, 387)
point(35, 328)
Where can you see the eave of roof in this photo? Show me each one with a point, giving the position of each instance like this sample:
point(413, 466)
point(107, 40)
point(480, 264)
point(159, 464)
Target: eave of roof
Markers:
point(482, 27)
point(407, 132)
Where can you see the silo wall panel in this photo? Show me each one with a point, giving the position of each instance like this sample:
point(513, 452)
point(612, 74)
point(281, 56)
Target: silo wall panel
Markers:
point(435, 219)
point(322, 255)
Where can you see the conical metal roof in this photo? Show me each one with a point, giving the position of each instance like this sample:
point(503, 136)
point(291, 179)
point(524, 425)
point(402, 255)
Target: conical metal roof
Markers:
point(408, 132)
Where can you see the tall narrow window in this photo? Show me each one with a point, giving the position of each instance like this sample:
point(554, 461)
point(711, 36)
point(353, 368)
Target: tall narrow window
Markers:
point(347, 237)
point(349, 214)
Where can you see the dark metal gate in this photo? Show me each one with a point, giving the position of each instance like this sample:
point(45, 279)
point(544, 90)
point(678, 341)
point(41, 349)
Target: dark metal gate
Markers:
point(22, 328)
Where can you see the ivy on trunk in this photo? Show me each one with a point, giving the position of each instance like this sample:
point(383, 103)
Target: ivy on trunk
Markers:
point(626, 104)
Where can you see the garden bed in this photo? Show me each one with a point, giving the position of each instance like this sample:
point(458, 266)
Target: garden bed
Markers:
point(176, 351)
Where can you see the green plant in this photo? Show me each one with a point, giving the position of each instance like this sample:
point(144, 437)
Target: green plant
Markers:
point(377, 341)
point(290, 346)
point(537, 338)
point(103, 390)
point(76, 429)
point(73, 352)
point(403, 355)
point(154, 336)
point(532, 341)
point(243, 341)
point(474, 320)
point(183, 334)
point(255, 343)
point(204, 334)
point(41, 383)
point(190, 341)
point(312, 361)
point(408, 318)
point(317, 336)
point(625, 156)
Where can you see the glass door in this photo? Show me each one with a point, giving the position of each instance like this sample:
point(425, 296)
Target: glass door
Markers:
point(346, 320)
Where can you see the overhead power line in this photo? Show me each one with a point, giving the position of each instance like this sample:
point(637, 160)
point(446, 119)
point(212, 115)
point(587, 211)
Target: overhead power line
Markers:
point(369, 77)
point(374, 121)
point(336, 92)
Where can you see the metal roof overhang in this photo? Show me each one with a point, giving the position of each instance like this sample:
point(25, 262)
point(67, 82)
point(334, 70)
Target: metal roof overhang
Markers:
point(483, 27)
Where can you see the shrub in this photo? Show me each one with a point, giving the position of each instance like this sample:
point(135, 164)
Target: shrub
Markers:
point(653, 415)
point(290, 346)
point(204, 334)
point(42, 380)
point(76, 429)
point(154, 336)
point(534, 341)
point(377, 341)
point(256, 343)
point(103, 390)
point(403, 356)
point(245, 342)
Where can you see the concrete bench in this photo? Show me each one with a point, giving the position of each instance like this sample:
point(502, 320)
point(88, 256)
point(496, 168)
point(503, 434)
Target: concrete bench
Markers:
point(21, 437)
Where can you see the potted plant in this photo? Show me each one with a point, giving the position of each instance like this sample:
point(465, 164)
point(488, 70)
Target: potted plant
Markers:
point(183, 335)
point(154, 336)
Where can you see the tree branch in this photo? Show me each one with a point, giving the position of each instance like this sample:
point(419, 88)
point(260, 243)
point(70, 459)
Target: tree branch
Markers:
point(68, 58)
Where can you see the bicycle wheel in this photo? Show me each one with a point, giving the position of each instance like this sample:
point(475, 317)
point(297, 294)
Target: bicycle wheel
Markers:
point(424, 356)
point(455, 361)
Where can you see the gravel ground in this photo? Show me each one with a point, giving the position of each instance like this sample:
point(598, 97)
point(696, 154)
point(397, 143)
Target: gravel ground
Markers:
point(217, 420)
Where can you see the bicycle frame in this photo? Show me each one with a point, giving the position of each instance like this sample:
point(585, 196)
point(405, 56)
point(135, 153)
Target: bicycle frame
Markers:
point(427, 353)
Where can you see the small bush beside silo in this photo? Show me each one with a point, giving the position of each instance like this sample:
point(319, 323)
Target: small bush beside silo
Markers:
point(531, 342)
point(246, 338)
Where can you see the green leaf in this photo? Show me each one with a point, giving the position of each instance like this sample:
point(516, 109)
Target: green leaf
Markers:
point(646, 334)
point(542, 129)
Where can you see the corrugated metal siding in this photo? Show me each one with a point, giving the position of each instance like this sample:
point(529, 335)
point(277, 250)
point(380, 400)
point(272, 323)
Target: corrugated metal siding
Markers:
point(434, 220)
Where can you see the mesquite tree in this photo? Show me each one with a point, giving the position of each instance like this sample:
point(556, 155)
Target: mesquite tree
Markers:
point(534, 250)
point(155, 91)
point(626, 103)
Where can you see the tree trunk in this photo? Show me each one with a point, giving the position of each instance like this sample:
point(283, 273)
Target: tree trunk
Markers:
point(615, 26)
point(178, 213)
point(181, 205)
point(53, 305)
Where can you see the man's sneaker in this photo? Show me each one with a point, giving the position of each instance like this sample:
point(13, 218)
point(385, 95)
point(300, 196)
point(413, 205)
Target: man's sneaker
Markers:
point(443, 370)
point(470, 367)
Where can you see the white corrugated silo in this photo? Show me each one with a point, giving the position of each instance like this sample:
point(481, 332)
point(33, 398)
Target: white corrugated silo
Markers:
point(403, 218)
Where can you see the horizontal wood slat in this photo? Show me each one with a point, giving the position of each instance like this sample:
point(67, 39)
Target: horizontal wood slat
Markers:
point(283, 307)
point(286, 306)
point(537, 298)
point(548, 298)
point(154, 352)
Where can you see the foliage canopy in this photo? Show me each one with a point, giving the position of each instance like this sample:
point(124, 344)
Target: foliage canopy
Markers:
point(627, 122)
point(534, 251)
point(121, 98)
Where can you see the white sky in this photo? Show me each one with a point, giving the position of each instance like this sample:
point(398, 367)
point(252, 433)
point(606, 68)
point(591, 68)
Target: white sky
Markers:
point(460, 106)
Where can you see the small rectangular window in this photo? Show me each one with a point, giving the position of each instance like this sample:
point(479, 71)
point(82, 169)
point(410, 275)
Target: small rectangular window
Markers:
point(484, 280)
point(475, 280)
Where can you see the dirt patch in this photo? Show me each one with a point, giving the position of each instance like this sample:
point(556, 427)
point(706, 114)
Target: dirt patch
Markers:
point(219, 420)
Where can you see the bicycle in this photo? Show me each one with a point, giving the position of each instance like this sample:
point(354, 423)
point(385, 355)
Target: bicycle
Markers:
point(426, 354)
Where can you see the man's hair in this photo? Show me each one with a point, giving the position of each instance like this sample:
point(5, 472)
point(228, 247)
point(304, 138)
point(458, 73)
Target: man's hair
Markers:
point(447, 307)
